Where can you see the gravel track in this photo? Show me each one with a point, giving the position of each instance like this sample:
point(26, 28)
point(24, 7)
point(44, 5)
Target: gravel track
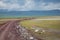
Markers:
point(13, 31)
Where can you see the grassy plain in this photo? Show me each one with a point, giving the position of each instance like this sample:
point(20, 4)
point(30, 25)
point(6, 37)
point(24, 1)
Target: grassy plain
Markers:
point(51, 26)
point(45, 22)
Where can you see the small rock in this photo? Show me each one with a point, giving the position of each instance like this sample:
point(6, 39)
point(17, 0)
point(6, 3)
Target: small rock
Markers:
point(31, 38)
point(36, 30)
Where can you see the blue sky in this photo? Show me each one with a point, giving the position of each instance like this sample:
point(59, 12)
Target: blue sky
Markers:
point(27, 5)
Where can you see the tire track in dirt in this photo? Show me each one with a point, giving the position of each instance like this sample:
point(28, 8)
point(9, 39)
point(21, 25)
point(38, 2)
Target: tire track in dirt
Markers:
point(12, 31)
point(5, 31)
point(2, 28)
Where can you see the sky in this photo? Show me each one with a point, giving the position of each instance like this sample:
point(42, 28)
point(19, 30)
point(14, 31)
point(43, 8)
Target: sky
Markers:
point(27, 5)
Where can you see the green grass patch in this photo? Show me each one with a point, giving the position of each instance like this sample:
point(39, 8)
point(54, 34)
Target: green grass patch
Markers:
point(42, 23)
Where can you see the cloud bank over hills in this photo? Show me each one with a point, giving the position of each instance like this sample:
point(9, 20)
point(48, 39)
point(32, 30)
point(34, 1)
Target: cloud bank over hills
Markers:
point(27, 5)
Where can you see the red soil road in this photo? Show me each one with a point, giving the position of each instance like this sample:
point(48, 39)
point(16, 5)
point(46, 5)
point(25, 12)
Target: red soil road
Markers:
point(8, 31)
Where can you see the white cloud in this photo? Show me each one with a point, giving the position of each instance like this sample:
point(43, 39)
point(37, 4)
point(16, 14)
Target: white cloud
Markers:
point(16, 6)
point(50, 6)
point(9, 6)
point(29, 5)
point(2, 5)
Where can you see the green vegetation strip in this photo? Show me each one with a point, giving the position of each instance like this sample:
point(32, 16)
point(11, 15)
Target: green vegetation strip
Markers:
point(55, 24)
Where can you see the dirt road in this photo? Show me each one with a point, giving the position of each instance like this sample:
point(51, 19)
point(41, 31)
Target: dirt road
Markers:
point(11, 30)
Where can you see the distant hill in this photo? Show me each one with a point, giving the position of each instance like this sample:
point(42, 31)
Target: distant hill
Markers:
point(6, 13)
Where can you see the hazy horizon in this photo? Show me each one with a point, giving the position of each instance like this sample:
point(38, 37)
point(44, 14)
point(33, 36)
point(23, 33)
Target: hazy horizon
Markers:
point(18, 8)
